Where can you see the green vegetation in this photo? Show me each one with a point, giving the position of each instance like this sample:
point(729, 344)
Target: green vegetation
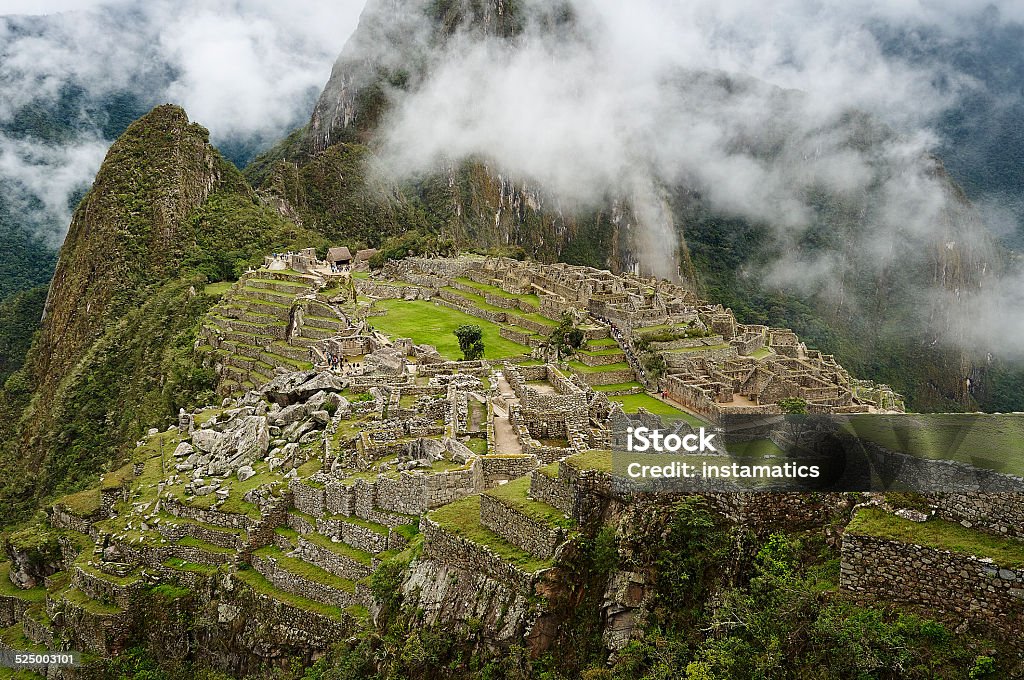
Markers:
point(258, 583)
point(567, 338)
point(591, 460)
point(618, 387)
point(306, 570)
point(583, 368)
point(428, 323)
point(340, 548)
point(516, 494)
point(463, 519)
point(632, 402)
point(938, 534)
point(8, 589)
point(990, 441)
point(529, 298)
point(793, 406)
point(471, 342)
point(20, 314)
point(84, 503)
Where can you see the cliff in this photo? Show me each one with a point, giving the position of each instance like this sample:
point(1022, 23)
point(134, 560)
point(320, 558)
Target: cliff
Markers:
point(165, 216)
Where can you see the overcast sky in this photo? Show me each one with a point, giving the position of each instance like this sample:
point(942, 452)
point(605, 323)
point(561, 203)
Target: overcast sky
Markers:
point(246, 69)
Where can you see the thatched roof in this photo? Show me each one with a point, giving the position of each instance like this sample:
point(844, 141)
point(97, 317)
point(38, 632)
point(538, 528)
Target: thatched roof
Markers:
point(339, 254)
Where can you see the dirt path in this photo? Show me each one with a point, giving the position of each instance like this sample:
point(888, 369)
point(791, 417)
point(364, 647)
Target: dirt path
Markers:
point(505, 439)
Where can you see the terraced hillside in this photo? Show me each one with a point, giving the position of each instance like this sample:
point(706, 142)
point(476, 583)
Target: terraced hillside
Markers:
point(267, 321)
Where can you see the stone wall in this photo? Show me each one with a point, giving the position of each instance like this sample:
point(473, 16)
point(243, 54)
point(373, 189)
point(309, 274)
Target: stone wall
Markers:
point(307, 499)
point(551, 490)
point(622, 375)
point(332, 561)
point(299, 585)
point(504, 467)
point(998, 513)
point(440, 545)
point(353, 534)
point(537, 538)
point(951, 582)
point(107, 590)
point(214, 517)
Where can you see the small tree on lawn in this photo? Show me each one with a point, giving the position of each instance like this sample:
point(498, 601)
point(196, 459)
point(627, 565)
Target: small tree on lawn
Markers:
point(793, 406)
point(471, 341)
point(566, 337)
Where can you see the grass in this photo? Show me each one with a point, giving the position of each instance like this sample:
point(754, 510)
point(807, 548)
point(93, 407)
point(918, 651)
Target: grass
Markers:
point(366, 524)
point(170, 592)
point(699, 348)
point(761, 353)
point(938, 534)
point(601, 352)
point(481, 302)
point(550, 470)
point(462, 518)
point(599, 459)
point(77, 597)
point(8, 589)
point(755, 448)
point(477, 445)
point(83, 503)
point(306, 570)
point(583, 368)
point(530, 298)
point(632, 402)
point(190, 542)
point(258, 583)
point(515, 494)
point(218, 289)
point(116, 479)
point(343, 549)
point(618, 386)
point(992, 441)
point(428, 323)
point(15, 638)
point(179, 564)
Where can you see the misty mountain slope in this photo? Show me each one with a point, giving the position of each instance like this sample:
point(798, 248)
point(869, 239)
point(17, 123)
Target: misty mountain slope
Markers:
point(114, 355)
point(831, 224)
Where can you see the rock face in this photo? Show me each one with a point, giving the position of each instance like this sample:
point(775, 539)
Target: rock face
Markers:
point(152, 178)
point(448, 594)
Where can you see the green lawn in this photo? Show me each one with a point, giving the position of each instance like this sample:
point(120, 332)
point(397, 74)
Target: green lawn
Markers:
point(617, 386)
point(631, 402)
point(530, 299)
point(939, 534)
point(992, 441)
point(218, 289)
point(601, 352)
point(481, 302)
point(756, 448)
point(592, 460)
point(427, 323)
point(583, 368)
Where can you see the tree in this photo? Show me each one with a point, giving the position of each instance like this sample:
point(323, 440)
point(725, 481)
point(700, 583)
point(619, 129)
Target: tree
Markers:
point(793, 406)
point(471, 341)
point(566, 337)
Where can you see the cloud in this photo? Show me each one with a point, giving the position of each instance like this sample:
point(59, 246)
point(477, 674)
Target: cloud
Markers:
point(246, 69)
point(758, 107)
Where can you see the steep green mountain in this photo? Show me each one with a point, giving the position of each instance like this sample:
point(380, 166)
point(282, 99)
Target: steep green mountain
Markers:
point(166, 215)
